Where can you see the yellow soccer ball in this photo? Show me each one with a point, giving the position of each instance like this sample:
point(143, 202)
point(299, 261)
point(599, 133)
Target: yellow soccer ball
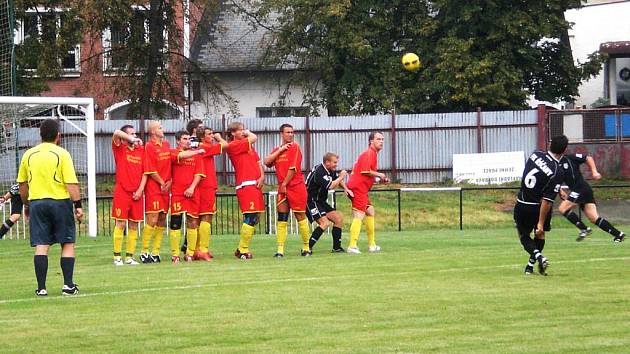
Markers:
point(411, 62)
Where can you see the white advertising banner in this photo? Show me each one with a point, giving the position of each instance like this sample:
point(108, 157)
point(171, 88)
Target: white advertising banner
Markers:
point(492, 168)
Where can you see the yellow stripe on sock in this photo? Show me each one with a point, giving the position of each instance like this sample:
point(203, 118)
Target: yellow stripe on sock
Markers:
point(147, 235)
point(132, 239)
point(174, 237)
point(305, 233)
point(369, 230)
point(281, 237)
point(204, 236)
point(355, 230)
point(118, 239)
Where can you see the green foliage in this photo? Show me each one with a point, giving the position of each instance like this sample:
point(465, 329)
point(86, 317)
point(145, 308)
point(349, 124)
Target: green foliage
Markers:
point(490, 54)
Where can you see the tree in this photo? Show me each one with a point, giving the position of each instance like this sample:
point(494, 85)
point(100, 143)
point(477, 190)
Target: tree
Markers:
point(490, 54)
point(144, 55)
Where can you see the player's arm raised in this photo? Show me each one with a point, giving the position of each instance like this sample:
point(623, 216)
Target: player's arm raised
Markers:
point(219, 139)
point(271, 158)
point(591, 165)
point(250, 136)
point(121, 135)
point(190, 153)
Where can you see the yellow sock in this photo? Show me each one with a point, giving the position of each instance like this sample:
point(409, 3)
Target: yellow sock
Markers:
point(158, 235)
point(147, 234)
point(369, 229)
point(191, 241)
point(355, 230)
point(204, 236)
point(305, 233)
point(118, 240)
point(175, 238)
point(132, 238)
point(281, 237)
point(247, 233)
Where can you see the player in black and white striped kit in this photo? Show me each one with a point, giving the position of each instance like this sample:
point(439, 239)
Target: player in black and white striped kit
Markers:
point(319, 181)
point(540, 185)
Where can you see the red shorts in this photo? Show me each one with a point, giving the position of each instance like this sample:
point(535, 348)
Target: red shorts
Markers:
point(125, 208)
point(207, 203)
point(181, 204)
point(156, 203)
point(250, 199)
point(296, 196)
point(360, 201)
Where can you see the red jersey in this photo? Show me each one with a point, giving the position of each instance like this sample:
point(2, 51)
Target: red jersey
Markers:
point(290, 159)
point(244, 159)
point(157, 160)
point(184, 171)
point(129, 165)
point(366, 162)
point(208, 161)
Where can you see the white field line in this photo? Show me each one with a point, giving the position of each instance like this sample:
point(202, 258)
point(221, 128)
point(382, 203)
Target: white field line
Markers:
point(277, 281)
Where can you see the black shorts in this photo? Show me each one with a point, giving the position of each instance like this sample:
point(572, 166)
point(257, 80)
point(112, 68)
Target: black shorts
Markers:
point(16, 205)
point(51, 221)
point(316, 210)
point(526, 218)
point(581, 194)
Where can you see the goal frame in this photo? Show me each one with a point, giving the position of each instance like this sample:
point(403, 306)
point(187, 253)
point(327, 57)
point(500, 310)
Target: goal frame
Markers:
point(91, 143)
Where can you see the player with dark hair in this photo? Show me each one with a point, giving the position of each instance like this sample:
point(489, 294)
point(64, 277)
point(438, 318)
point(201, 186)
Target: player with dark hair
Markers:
point(320, 180)
point(287, 161)
point(250, 179)
point(157, 166)
point(213, 145)
point(364, 174)
point(581, 194)
point(50, 191)
point(13, 196)
point(127, 208)
point(194, 127)
point(539, 187)
point(188, 170)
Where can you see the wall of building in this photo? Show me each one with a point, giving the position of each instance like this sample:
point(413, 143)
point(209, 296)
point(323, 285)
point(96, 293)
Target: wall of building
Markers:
point(594, 25)
point(249, 90)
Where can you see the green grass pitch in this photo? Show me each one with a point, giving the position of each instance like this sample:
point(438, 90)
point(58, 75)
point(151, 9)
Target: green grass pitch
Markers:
point(427, 291)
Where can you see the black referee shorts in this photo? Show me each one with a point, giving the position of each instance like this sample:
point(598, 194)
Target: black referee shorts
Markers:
point(582, 194)
point(317, 210)
point(16, 205)
point(51, 221)
point(526, 218)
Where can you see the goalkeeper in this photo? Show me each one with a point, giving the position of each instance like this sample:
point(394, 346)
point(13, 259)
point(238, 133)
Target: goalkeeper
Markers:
point(12, 195)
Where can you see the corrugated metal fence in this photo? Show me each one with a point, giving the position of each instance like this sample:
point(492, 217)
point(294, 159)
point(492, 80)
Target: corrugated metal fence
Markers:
point(418, 147)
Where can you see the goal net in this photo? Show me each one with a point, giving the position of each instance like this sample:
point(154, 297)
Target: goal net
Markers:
point(20, 119)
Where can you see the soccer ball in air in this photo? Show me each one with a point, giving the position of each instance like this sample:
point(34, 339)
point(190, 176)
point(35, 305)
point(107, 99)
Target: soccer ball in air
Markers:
point(411, 62)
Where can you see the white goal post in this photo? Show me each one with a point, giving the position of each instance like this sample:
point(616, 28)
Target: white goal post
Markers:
point(88, 105)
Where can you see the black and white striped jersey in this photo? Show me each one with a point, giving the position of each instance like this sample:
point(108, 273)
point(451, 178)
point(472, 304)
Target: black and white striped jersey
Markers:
point(541, 178)
point(318, 182)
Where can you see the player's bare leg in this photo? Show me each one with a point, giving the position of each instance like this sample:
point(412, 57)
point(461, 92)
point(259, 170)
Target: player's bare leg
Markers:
point(590, 210)
point(566, 208)
point(337, 220)
point(322, 225)
point(370, 229)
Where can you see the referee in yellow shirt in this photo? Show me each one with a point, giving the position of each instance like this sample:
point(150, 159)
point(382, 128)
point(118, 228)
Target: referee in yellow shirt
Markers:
point(50, 190)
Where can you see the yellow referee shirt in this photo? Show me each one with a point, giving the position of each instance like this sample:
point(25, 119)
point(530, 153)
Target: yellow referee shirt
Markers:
point(47, 168)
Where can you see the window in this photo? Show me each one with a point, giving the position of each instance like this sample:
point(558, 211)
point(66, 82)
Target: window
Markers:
point(43, 25)
point(267, 112)
point(196, 90)
point(135, 34)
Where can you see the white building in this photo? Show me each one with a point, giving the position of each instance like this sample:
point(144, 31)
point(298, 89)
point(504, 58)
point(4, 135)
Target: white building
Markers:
point(229, 52)
point(604, 26)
